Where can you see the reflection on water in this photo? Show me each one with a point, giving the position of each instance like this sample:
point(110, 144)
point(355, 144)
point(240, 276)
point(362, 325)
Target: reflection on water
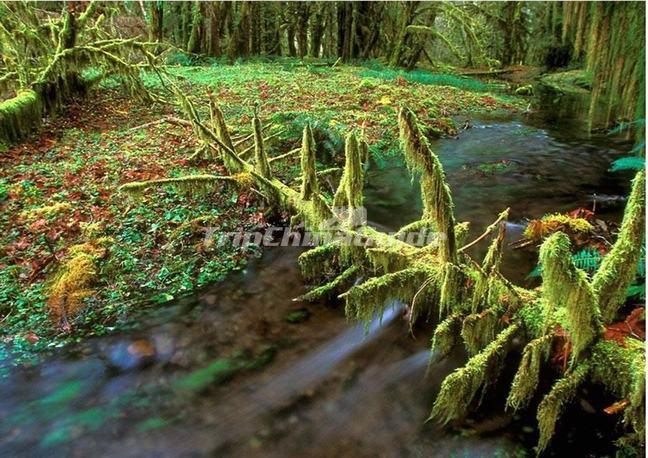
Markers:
point(223, 373)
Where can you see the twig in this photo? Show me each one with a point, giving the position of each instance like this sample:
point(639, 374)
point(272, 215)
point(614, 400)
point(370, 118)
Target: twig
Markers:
point(285, 155)
point(502, 216)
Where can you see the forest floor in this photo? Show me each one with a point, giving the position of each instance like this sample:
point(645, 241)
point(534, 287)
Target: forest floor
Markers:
point(60, 188)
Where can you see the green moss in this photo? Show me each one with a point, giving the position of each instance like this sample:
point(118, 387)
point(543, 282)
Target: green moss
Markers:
point(460, 388)
point(437, 202)
point(564, 286)
point(20, 115)
point(309, 174)
point(561, 394)
point(349, 192)
point(452, 289)
point(534, 319)
point(195, 184)
point(319, 261)
point(619, 266)
point(262, 166)
point(490, 268)
point(527, 376)
point(370, 298)
point(570, 82)
point(339, 283)
point(621, 369)
point(446, 335)
point(479, 329)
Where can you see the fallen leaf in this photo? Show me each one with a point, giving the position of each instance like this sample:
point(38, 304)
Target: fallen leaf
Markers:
point(632, 326)
point(616, 407)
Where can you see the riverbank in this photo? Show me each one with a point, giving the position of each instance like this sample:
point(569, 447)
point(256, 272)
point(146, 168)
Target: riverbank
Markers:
point(59, 189)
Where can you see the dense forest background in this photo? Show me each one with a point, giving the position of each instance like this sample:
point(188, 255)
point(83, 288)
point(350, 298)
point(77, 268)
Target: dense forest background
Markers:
point(604, 38)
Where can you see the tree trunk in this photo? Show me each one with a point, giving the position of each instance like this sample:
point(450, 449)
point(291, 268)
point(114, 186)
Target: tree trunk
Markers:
point(255, 28)
point(215, 22)
point(400, 47)
point(317, 30)
point(156, 21)
point(303, 12)
point(239, 45)
point(193, 45)
point(329, 44)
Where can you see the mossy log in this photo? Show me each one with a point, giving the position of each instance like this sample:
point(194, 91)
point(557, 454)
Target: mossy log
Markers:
point(474, 300)
point(19, 116)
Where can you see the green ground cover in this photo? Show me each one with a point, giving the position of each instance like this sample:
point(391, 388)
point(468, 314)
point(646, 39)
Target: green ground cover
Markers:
point(59, 189)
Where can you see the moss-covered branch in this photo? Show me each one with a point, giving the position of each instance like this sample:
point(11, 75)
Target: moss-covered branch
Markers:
point(619, 266)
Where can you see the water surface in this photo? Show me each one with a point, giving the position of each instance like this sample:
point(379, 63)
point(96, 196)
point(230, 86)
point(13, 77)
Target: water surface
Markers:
point(223, 373)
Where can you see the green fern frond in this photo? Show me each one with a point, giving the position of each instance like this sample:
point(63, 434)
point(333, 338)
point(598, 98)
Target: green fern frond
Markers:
point(628, 163)
point(636, 291)
point(588, 259)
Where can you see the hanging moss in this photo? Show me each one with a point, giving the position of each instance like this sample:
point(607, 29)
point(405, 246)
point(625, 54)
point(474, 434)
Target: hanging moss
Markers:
point(446, 335)
point(319, 261)
point(527, 376)
point(534, 317)
point(459, 389)
point(619, 266)
point(387, 260)
point(561, 394)
point(437, 202)
point(262, 166)
point(452, 289)
point(621, 369)
point(370, 298)
point(339, 283)
point(426, 298)
point(606, 33)
point(19, 116)
point(565, 286)
point(309, 174)
point(349, 192)
point(490, 266)
point(479, 329)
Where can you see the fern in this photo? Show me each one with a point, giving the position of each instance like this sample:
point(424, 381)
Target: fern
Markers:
point(588, 259)
point(637, 290)
point(623, 126)
point(628, 163)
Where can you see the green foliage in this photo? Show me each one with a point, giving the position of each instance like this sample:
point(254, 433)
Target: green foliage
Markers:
point(628, 163)
point(423, 77)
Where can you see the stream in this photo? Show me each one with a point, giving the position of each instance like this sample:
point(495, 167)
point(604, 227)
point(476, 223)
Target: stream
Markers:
point(225, 373)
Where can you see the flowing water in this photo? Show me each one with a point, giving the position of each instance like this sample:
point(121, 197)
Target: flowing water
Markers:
point(225, 372)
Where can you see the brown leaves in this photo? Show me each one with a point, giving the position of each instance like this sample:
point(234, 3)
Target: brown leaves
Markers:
point(632, 326)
